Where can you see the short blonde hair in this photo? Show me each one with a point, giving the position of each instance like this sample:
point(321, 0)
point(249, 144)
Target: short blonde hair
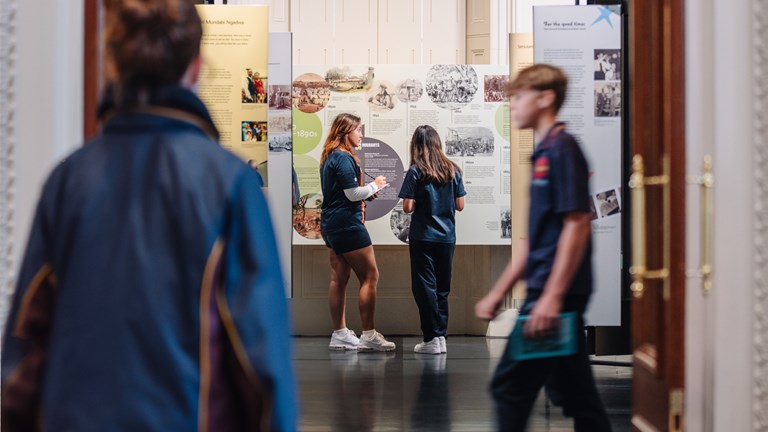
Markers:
point(541, 77)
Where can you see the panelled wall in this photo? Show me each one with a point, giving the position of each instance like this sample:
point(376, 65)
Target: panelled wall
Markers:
point(392, 32)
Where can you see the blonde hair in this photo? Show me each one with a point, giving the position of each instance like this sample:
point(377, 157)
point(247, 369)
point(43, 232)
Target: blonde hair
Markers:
point(541, 77)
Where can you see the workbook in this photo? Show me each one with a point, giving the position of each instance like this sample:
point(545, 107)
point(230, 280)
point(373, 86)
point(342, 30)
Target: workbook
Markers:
point(559, 343)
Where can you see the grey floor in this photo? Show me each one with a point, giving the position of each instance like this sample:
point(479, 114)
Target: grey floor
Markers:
point(404, 391)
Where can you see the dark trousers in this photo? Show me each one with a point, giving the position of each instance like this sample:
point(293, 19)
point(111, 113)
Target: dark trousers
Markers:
point(516, 384)
point(431, 264)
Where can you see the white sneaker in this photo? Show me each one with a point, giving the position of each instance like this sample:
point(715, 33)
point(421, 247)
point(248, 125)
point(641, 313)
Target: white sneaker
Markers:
point(431, 347)
point(443, 347)
point(341, 341)
point(375, 342)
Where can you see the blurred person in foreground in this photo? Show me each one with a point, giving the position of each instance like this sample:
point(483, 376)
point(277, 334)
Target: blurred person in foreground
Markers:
point(150, 295)
point(555, 261)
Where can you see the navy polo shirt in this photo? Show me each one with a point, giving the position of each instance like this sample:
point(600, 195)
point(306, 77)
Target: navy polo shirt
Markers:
point(340, 171)
point(559, 185)
point(433, 219)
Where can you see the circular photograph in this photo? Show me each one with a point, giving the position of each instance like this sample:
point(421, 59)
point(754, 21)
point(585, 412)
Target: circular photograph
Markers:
point(400, 222)
point(409, 90)
point(311, 93)
point(381, 96)
point(306, 216)
point(451, 86)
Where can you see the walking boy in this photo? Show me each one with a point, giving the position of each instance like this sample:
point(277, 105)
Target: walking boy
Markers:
point(555, 260)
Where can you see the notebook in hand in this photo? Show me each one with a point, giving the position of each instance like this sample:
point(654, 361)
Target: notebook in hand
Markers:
point(561, 342)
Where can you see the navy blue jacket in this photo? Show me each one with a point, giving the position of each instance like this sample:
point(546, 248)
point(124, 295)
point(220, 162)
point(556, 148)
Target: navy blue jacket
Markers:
point(150, 296)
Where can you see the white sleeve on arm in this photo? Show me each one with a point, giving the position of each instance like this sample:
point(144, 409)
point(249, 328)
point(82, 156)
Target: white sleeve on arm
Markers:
point(362, 192)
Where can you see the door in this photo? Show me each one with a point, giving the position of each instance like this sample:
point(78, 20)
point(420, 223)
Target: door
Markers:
point(657, 135)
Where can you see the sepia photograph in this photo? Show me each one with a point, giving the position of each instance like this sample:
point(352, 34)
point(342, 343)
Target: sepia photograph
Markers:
point(469, 141)
point(381, 97)
point(494, 88)
point(280, 121)
point(279, 97)
point(306, 216)
point(310, 93)
point(451, 86)
point(409, 90)
point(345, 79)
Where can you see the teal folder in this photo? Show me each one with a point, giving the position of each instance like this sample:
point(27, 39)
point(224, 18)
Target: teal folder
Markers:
point(560, 343)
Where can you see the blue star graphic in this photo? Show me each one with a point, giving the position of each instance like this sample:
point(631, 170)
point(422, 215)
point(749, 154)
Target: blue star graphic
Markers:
point(605, 15)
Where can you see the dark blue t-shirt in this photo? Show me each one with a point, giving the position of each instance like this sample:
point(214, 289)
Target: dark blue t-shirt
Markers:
point(559, 185)
point(340, 171)
point(434, 216)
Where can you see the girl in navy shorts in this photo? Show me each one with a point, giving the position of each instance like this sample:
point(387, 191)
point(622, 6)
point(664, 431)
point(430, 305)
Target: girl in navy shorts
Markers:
point(349, 245)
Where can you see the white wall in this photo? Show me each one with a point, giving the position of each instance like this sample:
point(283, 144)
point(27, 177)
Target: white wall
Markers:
point(279, 14)
point(378, 31)
point(48, 103)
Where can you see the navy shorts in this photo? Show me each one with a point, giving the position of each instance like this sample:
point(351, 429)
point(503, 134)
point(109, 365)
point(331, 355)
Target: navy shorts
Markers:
point(347, 241)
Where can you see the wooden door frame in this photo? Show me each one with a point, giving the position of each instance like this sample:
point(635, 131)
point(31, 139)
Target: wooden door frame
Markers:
point(93, 59)
point(657, 131)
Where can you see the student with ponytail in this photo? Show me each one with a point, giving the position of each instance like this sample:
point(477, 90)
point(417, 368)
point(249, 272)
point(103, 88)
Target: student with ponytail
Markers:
point(349, 245)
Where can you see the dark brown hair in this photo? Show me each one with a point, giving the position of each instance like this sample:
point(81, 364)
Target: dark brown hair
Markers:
point(343, 125)
point(151, 42)
point(541, 77)
point(427, 154)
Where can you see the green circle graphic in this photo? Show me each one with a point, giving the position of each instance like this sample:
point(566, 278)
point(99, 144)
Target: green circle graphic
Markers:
point(307, 131)
point(502, 120)
point(308, 172)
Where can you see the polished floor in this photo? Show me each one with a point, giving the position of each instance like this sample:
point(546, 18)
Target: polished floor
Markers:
point(404, 391)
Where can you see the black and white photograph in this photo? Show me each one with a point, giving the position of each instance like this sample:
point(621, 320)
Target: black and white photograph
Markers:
point(608, 203)
point(345, 79)
point(253, 88)
point(409, 90)
point(254, 131)
point(494, 88)
point(280, 142)
point(381, 96)
point(607, 99)
point(452, 86)
point(592, 209)
point(310, 93)
point(505, 221)
point(279, 97)
point(400, 222)
point(280, 121)
point(607, 65)
point(469, 141)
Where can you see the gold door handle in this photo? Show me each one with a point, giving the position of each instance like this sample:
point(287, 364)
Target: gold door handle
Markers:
point(637, 182)
point(706, 182)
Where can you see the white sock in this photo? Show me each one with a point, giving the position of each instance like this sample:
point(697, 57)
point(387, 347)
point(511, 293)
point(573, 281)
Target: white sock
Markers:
point(369, 333)
point(341, 332)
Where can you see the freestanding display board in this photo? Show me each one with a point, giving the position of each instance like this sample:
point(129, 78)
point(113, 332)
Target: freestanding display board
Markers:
point(585, 41)
point(279, 179)
point(464, 103)
point(233, 80)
